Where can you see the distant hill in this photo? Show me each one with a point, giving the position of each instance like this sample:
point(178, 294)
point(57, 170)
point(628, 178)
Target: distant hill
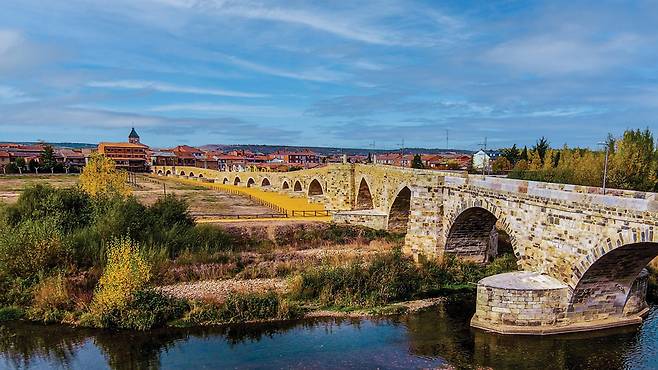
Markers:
point(57, 145)
point(267, 149)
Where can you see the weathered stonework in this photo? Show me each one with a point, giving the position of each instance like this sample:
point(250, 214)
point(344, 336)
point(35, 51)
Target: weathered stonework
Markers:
point(594, 244)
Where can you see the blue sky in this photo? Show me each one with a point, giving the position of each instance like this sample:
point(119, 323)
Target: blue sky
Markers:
point(327, 73)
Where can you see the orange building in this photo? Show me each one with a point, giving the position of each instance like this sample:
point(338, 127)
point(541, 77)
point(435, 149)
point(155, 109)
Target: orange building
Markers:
point(132, 156)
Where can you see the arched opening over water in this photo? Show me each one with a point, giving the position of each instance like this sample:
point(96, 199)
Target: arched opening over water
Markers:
point(250, 182)
point(610, 286)
point(265, 182)
point(200, 175)
point(237, 181)
point(160, 172)
point(225, 181)
point(182, 173)
point(191, 174)
point(363, 197)
point(168, 173)
point(298, 186)
point(315, 188)
point(398, 216)
point(473, 235)
point(285, 185)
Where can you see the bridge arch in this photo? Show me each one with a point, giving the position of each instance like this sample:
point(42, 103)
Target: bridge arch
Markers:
point(182, 173)
point(237, 181)
point(191, 174)
point(606, 285)
point(160, 172)
point(250, 182)
point(225, 181)
point(285, 185)
point(315, 188)
point(363, 196)
point(298, 186)
point(473, 234)
point(398, 215)
point(168, 173)
point(265, 182)
point(200, 175)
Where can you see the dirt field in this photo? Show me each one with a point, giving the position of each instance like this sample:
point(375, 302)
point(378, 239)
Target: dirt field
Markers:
point(201, 199)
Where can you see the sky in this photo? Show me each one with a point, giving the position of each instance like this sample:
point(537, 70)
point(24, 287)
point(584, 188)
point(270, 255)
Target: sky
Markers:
point(372, 74)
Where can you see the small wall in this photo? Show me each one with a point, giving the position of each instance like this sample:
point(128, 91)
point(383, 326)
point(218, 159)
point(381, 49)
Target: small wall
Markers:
point(368, 218)
point(520, 299)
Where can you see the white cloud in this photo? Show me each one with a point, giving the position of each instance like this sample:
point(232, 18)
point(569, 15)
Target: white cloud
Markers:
point(549, 54)
point(18, 53)
point(316, 74)
point(166, 87)
point(246, 110)
point(11, 95)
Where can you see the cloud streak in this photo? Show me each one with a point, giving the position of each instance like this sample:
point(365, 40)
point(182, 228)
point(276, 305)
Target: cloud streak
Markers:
point(170, 88)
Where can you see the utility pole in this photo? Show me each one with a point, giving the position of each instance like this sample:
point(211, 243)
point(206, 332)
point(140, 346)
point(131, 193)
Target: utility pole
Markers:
point(605, 164)
point(447, 144)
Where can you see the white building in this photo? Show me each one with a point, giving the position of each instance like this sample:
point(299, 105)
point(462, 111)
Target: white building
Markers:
point(484, 159)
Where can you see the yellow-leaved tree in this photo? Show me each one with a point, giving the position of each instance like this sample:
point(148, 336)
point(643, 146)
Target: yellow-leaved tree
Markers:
point(126, 273)
point(101, 177)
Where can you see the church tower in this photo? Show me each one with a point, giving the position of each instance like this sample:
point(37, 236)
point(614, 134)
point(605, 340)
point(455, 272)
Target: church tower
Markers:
point(133, 138)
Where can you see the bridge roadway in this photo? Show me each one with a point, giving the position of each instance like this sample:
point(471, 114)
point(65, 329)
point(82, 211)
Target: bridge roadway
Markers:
point(586, 251)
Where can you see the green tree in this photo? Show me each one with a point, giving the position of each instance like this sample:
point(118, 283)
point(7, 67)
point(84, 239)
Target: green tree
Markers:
point(501, 164)
point(48, 160)
point(524, 154)
point(541, 146)
point(633, 163)
point(512, 154)
point(417, 162)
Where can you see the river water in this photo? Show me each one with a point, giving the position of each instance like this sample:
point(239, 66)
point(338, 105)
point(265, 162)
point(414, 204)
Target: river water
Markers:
point(436, 338)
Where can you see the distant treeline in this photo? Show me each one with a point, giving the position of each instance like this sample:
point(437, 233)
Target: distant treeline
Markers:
point(632, 162)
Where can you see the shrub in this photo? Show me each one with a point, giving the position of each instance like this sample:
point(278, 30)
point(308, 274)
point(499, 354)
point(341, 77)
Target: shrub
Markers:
point(125, 274)
point(169, 211)
point(147, 309)
point(31, 247)
point(11, 313)
point(51, 294)
point(242, 308)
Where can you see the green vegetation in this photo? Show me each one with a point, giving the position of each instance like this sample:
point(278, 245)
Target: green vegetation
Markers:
point(632, 163)
point(69, 257)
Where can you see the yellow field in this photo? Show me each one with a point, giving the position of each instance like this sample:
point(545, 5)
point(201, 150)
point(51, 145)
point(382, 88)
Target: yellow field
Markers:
point(286, 203)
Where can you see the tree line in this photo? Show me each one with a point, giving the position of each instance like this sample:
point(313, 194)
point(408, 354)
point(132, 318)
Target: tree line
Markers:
point(632, 162)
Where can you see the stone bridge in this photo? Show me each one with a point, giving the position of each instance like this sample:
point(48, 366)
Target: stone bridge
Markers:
point(582, 253)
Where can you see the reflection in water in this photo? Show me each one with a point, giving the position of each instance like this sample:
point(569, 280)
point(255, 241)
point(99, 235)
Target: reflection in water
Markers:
point(429, 339)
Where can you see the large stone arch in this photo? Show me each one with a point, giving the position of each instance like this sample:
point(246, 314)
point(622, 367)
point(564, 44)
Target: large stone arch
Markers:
point(315, 188)
point(225, 181)
point(364, 196)
point(200, 175)
point(610, 286)
point(237, 181)
point(265, 182)
point(472, 232)
point(285, 185)
point(250, 182)
point(398, 215)
point(160, 172)
point(182, 173)
point(168, 173)
point(191, 174)
point(298, 186)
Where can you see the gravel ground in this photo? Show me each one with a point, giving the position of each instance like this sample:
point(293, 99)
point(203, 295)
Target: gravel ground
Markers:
point(218, 290)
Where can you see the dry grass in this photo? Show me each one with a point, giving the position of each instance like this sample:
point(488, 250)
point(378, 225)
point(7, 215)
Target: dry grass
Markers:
point(12, 185)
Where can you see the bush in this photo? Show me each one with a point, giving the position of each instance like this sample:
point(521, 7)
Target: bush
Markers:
point(126, 273)
point(11, 313)
point(51, 294)
point(148, 309)
point(243, 308)
point(32, 247)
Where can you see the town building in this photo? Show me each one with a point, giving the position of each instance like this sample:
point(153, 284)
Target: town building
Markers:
point(484, 158)
point(132, 156)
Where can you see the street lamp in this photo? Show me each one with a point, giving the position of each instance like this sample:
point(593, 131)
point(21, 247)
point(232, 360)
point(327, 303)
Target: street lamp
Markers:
point(605, 165)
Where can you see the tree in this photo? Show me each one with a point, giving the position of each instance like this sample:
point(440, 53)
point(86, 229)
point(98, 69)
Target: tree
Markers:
point(47, 157)
point(512, 154)
point(633, 163)
point(524, 154)
point(100, 177)
point(501, 164)
point(541, 146)
point(417, 162)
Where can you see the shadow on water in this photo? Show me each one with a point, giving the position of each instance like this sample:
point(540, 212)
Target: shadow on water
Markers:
point(429, 339)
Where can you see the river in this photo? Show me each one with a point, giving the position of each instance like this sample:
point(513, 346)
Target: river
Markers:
point(436, 338)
